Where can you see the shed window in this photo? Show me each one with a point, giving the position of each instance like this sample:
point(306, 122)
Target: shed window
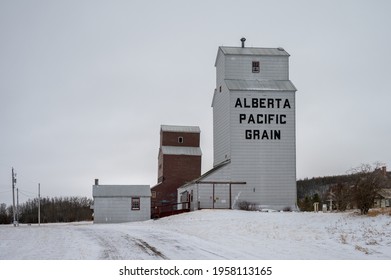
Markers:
point(135, 203)
point(180, 139)
point(255, 66)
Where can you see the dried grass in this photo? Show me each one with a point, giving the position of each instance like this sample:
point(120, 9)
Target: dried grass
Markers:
point(379, 211)
point(362, 249)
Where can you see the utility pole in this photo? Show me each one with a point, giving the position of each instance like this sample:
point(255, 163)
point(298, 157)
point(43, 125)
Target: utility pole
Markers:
point(17, 206)
point(13, 196)
point(39, 204)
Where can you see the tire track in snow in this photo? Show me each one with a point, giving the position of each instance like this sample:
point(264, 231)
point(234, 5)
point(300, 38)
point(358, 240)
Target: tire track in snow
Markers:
point(116, 245)
point(110, 252)
point(146, 247)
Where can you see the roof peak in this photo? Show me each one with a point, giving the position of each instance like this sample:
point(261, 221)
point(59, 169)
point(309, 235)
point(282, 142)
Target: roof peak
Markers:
point(279, 51)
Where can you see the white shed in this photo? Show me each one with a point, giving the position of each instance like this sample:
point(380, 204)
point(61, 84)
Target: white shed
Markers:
point(121, 203)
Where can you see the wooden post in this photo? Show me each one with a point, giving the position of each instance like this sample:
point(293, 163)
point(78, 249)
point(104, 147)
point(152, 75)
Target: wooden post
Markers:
point(230, 196)
point(213, 198)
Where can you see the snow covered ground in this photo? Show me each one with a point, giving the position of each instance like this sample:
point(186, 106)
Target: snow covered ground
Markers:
point(207, 234)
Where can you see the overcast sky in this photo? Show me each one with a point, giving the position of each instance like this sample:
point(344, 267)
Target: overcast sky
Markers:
point(85, 85)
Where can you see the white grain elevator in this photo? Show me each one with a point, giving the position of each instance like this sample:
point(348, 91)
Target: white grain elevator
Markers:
point(254, 133)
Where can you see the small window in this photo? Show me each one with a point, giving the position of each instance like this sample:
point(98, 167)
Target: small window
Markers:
point(220, 88)
point(255, 66)
point(180, 140)
point(135, 203)
point(153, 193)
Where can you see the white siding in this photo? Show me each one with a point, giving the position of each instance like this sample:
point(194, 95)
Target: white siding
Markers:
point(221, 145)
point(119, 210)
point(113, 203)
point(221, 129)
point(238, 67)
point(203, 193)
point(271, 67)
point(268, 166)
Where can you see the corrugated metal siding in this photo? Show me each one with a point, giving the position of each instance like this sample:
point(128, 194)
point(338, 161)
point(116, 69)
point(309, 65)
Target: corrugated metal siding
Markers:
point(120, 190)
point(113, 203)
point(268, 166)
point(259, 85)
point(203, 193)
point(118, 210)
point(178, 128)
point(271, 67)
point(254, 51)
point(221, 146)
point(177, 150)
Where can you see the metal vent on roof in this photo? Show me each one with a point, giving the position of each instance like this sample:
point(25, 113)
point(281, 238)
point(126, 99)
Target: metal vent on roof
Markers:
point(243, 40)
point(280, 49)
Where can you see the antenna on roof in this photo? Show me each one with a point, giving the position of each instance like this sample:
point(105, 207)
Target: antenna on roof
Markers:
point(243, 40)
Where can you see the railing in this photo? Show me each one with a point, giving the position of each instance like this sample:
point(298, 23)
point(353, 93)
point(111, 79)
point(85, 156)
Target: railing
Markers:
point(165, 210)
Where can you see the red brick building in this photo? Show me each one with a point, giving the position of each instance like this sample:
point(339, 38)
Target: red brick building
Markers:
point(179, 162)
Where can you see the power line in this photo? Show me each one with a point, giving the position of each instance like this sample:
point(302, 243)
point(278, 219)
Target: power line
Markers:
point(25, 194)
point(5, 191)
point(27, 191)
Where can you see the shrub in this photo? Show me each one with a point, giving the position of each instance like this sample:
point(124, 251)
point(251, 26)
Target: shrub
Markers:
point(248, 206)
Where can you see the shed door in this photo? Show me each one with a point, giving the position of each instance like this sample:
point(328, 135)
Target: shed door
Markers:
point(221, 196)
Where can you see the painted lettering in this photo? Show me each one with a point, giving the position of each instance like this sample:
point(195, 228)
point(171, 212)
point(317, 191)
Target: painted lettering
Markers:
point(242, 117)
point(256, 134)
point(262, 103)
point(262, 118)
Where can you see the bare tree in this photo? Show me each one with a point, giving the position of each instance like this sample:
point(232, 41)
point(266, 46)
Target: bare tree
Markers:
point(57, 210)
point(370, 179)
point(5, 217)
point(342, 195)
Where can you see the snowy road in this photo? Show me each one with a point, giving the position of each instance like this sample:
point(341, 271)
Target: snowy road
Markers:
point(207, 234)
point(144, 243)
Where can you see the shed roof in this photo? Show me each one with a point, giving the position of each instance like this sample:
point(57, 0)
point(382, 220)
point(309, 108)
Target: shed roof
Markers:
point(120, 190)
point(180, 128)
point(205, 175)
point(260, 85)
point(178, 150)
point(385, 193)
point(253, 51)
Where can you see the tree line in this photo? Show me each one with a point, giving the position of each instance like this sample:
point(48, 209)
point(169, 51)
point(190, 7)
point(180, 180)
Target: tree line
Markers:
point(53, 210)
point(355, 191)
